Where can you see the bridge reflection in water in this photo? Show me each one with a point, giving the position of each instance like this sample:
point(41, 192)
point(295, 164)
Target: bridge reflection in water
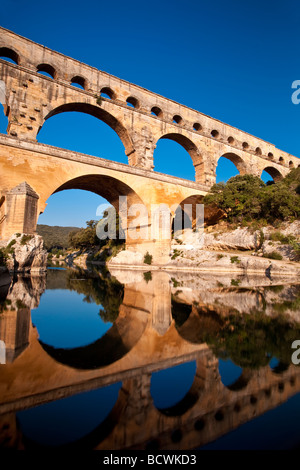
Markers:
point(180, 362)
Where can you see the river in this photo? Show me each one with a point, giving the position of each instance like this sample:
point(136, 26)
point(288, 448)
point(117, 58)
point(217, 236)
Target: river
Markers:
point(126, 359)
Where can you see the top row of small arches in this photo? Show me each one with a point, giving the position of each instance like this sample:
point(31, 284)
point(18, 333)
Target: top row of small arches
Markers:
point(108, 93)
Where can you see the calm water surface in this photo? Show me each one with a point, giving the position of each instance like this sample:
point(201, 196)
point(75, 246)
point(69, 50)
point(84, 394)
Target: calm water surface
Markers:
point(133, 360)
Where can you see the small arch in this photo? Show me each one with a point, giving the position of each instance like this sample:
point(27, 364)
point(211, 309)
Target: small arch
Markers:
point(281, 160)
point(79, 81)
point(177, 119)
point(230, 140)
point(214, 133)
point(274, 173)
point(7, 53)
point(258, 151)
point(245, 145)
point(197, 126)
point(291, 164)
point(156, 111)
point(133, 102)
point(46, 69)
point(107, 92)
point(270, 155)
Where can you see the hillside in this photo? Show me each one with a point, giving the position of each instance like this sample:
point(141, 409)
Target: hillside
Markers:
point(55, 236)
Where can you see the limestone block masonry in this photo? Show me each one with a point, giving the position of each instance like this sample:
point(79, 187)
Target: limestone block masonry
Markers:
point(139, 117)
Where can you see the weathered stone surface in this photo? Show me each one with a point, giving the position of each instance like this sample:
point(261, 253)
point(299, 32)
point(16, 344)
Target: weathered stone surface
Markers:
point(29, 256)
point(31, 98)
point(127, 257)
point(239, 239)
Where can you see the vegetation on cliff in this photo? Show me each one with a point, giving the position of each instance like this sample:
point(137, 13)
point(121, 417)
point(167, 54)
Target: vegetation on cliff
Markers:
point(245, 198)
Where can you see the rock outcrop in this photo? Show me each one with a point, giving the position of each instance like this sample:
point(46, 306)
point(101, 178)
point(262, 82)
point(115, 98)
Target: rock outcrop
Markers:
point(26, 253)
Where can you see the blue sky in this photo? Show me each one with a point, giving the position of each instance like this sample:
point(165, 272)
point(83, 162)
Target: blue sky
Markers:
point(232, 60)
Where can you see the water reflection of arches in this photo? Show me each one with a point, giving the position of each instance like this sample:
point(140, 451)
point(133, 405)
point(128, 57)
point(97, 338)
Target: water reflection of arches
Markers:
point(191, 397)
point(93, 438)
point(114, 345)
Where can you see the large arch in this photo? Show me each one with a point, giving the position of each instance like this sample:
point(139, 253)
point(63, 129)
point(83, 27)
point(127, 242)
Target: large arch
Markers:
point(111, 189)
point(236, 160)
point(99, 113)
point(192, 150)
point(106, 186)
point(274, 173)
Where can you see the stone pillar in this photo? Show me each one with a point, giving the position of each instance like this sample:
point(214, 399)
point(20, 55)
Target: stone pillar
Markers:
point(21, 211)
point(144, 145)
point(14, 331)
point(161, 310)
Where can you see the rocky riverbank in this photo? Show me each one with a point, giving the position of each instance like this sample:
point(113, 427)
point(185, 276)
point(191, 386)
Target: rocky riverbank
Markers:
point(24, 253)
point(267, 251)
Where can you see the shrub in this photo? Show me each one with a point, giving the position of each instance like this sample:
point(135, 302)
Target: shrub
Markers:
point(25, 239)
point(148, 258)
point(235, 282)
point(148, 276)
point(273, 255)
point(235, 259)
point(176, 253)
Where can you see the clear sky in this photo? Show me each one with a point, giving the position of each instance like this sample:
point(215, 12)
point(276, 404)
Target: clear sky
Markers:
point(233, 60)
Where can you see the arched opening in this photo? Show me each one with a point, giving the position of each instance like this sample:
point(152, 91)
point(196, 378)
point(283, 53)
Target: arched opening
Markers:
point(229, 372)
point(230, 140)
point(281, 160)
point(9, 55)
point(107, 92)
point(277, 366)
point(229, 165)
point(71, 128)
point(133, 102)
point(78, 82)
point(79, 420)
point(156, 111)
point(291, 164)
point(47, 70)
point(215, 134)
point(245, 145)
point(270, 155)
point(270, 175)
point(197, 127)
point(171, 389)
point(177, 119)
point(170, 157)
point(188, 217)
point(258, 151)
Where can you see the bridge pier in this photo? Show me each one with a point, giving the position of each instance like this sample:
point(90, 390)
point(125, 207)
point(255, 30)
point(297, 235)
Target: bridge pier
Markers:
point(19, 211)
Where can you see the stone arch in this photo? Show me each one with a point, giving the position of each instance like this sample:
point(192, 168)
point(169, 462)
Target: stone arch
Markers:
point(106, 186)
point(274, 172)
point(101, 114)
point(192, 150)
point(79, 80)
point(237, 160)
point(10, 54)
point(111, 189)
point(189, 212)
point(47, 68)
